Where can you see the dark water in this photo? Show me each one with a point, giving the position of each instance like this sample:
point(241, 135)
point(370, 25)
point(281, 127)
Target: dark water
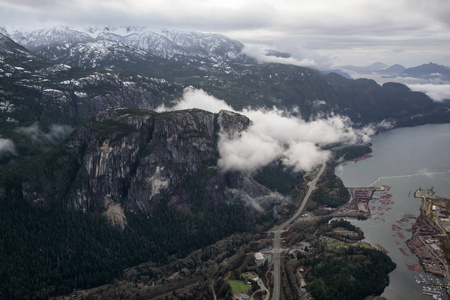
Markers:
point(404, 159)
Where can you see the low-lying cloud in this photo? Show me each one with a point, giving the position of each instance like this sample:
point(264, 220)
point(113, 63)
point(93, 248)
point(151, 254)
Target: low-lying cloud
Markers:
point(56, 133)
point(437, 92)
point(193, 98)
point(7, 147)
point(277, 135)
point(260, 54)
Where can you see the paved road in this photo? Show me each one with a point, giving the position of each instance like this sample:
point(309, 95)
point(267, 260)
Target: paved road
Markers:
point(277, 230)
point(212, 288)
point(262, 289)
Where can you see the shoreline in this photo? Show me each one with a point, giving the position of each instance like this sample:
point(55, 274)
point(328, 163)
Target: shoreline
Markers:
point(429, 239)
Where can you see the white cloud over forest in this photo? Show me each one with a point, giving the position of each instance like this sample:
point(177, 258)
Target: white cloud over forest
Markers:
point(7, 146)
point(277, 135)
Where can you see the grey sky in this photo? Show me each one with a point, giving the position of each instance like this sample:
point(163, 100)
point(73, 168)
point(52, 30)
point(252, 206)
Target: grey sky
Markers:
point(328, 32)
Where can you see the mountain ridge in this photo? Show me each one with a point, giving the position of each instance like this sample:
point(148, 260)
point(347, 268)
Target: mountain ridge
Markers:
point(430, 71)
point(89, 77)
point(166, 44)
point(120, 149)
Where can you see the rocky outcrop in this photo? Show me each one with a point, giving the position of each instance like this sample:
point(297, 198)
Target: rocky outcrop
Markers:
point(231, 125)
point(134, 159)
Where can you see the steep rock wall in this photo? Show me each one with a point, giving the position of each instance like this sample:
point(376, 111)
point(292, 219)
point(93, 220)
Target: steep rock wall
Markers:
point(126, 159)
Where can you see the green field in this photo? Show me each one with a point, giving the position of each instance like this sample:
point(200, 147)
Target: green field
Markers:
point(238, 286)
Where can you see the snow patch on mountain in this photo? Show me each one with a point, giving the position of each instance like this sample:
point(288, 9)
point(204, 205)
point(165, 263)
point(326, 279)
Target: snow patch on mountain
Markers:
point(33, 39)
point(162, 43)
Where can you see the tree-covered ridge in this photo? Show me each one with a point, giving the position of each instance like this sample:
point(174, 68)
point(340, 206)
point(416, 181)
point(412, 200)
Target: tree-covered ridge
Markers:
point(351, 274)
point(329, 255)
point(330, 190)
point(352, 152)
point(278, 178)
point(48, 250)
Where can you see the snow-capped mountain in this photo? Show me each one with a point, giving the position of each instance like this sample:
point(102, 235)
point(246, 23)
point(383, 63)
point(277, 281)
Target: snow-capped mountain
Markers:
point(15, 59)
point(3, 31)
point(33, 89)
point(91, 53)
point(57, 42)
point(37, 39)
point(169, 43)
point(8, 46)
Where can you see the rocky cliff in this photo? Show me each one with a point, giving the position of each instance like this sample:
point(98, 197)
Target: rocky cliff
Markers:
point(129, 186)
point(131, 160)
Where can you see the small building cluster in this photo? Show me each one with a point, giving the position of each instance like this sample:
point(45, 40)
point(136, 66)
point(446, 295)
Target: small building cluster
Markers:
point(249, 276)
point(260, 258)
point(240, 296)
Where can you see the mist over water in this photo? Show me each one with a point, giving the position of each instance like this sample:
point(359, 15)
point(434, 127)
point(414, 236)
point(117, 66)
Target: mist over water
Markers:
point(404, 159)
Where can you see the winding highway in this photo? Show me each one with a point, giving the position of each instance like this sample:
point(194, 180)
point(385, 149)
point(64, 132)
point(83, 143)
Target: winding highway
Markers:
point(277, 230)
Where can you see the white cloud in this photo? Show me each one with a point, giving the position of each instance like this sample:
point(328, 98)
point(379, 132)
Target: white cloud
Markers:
point(7, 146)
point(437, 92)
point(250, 151)
point(32, 131)
point(304, 156)
point(317, 103)
point(56, 133)
point(259, 53)
point(194, 98)
point(275, 134)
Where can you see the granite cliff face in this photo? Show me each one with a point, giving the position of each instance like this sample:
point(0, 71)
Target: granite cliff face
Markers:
point(133, 159)
point(129, 186)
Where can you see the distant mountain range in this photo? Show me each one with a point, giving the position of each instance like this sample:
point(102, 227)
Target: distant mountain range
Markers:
point(62, 75)
point(98, 46)
point(430, 71)
point(57, 43)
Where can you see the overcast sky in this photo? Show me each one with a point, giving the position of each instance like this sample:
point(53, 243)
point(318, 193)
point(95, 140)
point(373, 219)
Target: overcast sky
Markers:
point(322, 32)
